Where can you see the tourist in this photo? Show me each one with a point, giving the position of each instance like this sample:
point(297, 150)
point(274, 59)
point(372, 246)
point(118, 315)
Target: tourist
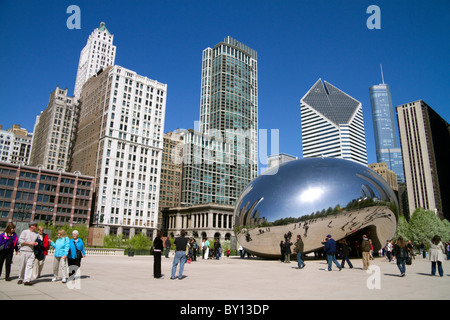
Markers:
point(194, 250)
point(299, 250)
point(365, 252)
point(157, 249)
point(424, 249)
point(180, 255)
point(282, 250)
point(411, 249)
point(388, 250)
point(241, 251)
point(330, 251)
point(61, 245)
point(217, 248)
point(436, 255)
point(345, 254)
point(8, 243)
point(401, 254)
point(39, 264)
point(287, 250)
point(447, 246)
point(76, 253)
point(206, 249)
point(27, 241)
point(167, 244)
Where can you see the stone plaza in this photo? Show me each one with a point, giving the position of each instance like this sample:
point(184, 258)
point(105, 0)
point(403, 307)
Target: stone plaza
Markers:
point(233, 279)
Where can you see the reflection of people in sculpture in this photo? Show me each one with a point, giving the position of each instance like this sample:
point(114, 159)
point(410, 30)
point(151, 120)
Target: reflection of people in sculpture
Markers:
point(247, 237)
point(306, 231)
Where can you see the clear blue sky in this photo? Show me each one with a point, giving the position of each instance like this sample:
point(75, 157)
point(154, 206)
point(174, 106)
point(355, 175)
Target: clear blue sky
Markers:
point(297, 43)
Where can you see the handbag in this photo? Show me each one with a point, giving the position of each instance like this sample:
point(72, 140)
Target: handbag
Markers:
point(408, 260)
point(78, 253)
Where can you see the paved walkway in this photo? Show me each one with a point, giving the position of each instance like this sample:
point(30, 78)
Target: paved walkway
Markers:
point(130, 278)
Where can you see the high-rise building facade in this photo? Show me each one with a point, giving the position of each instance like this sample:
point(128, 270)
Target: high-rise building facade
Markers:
point(171, 172)
point(386, 141)
point(229, 105)
point(98, 53)
point(54, 132)
point(207, 170)
point(15, 145)
point(332, 124)
point(120, 142)
point(425, 140)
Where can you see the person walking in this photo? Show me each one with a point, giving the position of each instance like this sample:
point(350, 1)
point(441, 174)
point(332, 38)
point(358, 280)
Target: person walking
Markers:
point(39, 264)
point(8, 244)
point(27, 241)
point(180, 255)
point(365, 252)
point(61, 245)
point(76, 253)
point(345, 254)
point(436, 255)
point(299, 250)
point(401, 253)
point(157, 249)
point(330, 251)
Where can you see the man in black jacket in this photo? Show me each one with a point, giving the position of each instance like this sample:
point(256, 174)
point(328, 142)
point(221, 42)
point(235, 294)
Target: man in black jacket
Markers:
point(180, 255)
point(299, 250)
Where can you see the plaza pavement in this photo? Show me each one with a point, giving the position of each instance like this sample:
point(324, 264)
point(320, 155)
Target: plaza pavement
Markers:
point(130, 278)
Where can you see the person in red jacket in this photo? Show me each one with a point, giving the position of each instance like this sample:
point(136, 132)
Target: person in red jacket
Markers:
point(39, 264)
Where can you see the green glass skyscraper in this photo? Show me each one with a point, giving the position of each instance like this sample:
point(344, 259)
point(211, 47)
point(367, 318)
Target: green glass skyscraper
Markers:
point(229, 106)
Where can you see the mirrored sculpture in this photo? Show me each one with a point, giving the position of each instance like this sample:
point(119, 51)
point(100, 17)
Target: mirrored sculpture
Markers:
point(312, 198)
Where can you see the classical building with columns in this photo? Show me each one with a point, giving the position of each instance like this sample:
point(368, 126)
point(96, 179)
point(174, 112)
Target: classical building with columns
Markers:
point(211, 220)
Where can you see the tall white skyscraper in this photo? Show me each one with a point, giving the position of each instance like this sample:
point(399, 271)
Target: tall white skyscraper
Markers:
point(332, 124)
point(98, 53)
point(120, 143)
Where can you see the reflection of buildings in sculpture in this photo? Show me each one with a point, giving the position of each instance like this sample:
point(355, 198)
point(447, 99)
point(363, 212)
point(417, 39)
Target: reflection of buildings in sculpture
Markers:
point(200, 221)
point(388, 175)
point(278, 160)
point(425, 141)
point(358, 200)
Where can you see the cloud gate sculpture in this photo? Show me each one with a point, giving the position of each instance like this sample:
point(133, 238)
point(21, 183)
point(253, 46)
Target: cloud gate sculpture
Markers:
point(314, 197)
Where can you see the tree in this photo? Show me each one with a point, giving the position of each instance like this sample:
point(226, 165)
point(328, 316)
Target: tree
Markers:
point(425, 224)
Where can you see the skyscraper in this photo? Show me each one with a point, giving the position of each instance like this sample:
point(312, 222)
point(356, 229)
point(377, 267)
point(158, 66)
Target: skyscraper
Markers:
point(386, 140)
point(120, 142)
point(98, 53)
point(54, 132)
point(332, 124)
point(229, 106)
point(425, 140)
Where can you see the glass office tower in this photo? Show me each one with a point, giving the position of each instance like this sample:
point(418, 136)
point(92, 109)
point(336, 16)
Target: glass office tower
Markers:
point(229, 106)
point(386, 139)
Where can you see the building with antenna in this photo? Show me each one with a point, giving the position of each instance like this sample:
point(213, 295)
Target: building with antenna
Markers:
point(386, 138)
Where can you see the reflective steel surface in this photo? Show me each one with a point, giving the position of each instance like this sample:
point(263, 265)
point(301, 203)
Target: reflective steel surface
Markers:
point(314, 197)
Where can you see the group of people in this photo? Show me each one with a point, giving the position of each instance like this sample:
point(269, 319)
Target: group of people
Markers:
point(32, 248)
point(400, 249)
point(186, 250)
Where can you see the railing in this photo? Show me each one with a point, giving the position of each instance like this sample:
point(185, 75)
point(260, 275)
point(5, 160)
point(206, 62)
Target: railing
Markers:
point(97, 252)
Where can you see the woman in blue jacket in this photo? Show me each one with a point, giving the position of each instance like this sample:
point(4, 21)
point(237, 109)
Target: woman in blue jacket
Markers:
point(61, 246)
point(76, 253)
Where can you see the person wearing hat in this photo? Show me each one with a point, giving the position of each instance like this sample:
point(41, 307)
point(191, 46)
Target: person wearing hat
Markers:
point(27, 241)
point(330, 251)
